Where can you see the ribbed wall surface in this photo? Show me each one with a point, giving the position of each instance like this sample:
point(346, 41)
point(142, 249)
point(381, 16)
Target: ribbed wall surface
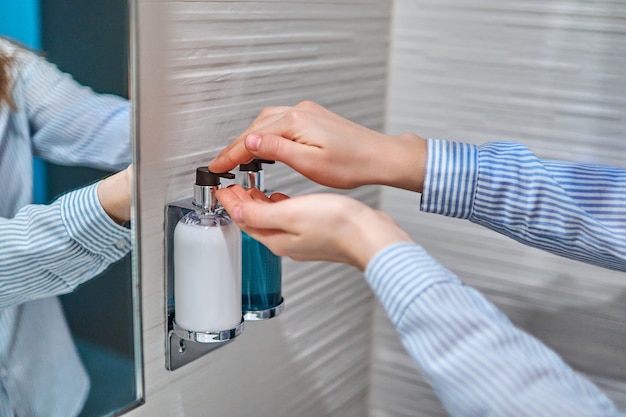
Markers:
point(205, 70)
point(549, 74)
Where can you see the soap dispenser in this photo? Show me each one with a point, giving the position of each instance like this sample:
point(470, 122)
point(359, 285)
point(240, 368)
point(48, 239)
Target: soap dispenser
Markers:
point(261, 296)
point(207, 265)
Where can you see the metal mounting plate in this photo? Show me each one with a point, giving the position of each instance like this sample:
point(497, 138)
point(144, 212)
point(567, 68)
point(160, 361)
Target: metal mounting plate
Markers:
point(180, 347)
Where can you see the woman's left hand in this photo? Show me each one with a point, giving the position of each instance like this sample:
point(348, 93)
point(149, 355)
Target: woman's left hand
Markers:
point(316, 227)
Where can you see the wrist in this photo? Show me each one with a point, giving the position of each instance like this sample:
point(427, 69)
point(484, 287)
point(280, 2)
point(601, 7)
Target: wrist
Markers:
point(114, 196)
point(404, 162)
point(373, 232)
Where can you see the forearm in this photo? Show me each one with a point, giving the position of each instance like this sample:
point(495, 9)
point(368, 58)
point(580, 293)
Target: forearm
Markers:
point(71, 124)
point(572, 210)
point(477, 362)
point(49, 250)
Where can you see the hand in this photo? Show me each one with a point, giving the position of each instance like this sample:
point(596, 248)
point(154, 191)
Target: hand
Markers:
point(328, 149)
point(316, 227)
point(115, 193)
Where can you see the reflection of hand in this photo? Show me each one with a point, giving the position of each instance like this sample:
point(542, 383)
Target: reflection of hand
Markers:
point(316, 227)
point(115, 192)
point(328, 149)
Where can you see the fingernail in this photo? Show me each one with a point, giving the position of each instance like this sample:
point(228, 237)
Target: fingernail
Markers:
point(253, 142)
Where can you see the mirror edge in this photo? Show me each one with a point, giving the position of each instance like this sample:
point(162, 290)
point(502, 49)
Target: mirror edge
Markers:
point(135, 226)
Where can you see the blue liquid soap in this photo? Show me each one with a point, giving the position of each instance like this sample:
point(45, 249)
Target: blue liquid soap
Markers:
point(261, 276)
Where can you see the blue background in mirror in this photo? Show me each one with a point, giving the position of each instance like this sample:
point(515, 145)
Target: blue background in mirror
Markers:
point(90, 41)
point(20, 20)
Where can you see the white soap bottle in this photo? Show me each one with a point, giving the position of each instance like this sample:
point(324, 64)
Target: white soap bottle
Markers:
point(207, 262)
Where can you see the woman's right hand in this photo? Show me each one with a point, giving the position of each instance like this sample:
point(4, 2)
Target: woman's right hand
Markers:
point(115, 195)
point(315, 227)
point(328, 149)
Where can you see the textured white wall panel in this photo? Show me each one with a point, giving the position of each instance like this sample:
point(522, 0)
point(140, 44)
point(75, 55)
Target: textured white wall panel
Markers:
point(205, 70)
point(549, 74)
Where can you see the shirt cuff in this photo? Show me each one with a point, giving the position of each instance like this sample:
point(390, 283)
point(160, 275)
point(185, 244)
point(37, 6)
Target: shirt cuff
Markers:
point(91, 227)
point(401, 273)
point(451, 178)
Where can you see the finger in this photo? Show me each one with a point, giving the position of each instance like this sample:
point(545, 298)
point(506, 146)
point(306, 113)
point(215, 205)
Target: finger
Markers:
point(227, 197)
point(232, 197)
point(232, 156)
point(258, 195)
point(275, 240)
point(236, 152)
point(272, 146)
point(240, 192)
point(245, 210)
point(276, 197)
point(262, 235)
point(259, 215)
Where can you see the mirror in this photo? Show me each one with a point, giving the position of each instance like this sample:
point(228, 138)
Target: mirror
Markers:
point(90, 41)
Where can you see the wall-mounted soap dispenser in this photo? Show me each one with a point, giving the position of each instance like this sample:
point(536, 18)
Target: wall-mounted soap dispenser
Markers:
point(261, 296)
point(203, 265)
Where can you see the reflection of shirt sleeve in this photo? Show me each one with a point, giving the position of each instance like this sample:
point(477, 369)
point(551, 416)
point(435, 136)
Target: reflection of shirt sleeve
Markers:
point(69, 123)
point(573, 210)
point(49, 250)
point(478, 363)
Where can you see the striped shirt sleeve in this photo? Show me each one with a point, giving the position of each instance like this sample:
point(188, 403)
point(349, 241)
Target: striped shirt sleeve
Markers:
point(573, 210)
point(50, 250)
point(69, 123)
point(478, 363)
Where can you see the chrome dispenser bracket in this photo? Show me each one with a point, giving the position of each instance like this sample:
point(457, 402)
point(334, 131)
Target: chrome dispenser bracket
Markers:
point(183, 346)
point(270, 313)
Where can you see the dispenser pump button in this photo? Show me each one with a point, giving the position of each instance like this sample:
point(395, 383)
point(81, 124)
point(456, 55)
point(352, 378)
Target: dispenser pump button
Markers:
point(204, 177)
point(255, 165)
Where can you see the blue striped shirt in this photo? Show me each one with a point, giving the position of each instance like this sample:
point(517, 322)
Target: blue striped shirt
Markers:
point(50, 250)
point(477, 361)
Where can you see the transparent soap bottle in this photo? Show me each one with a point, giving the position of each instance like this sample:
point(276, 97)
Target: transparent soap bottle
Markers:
point(207, 262)
point(261, 296)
